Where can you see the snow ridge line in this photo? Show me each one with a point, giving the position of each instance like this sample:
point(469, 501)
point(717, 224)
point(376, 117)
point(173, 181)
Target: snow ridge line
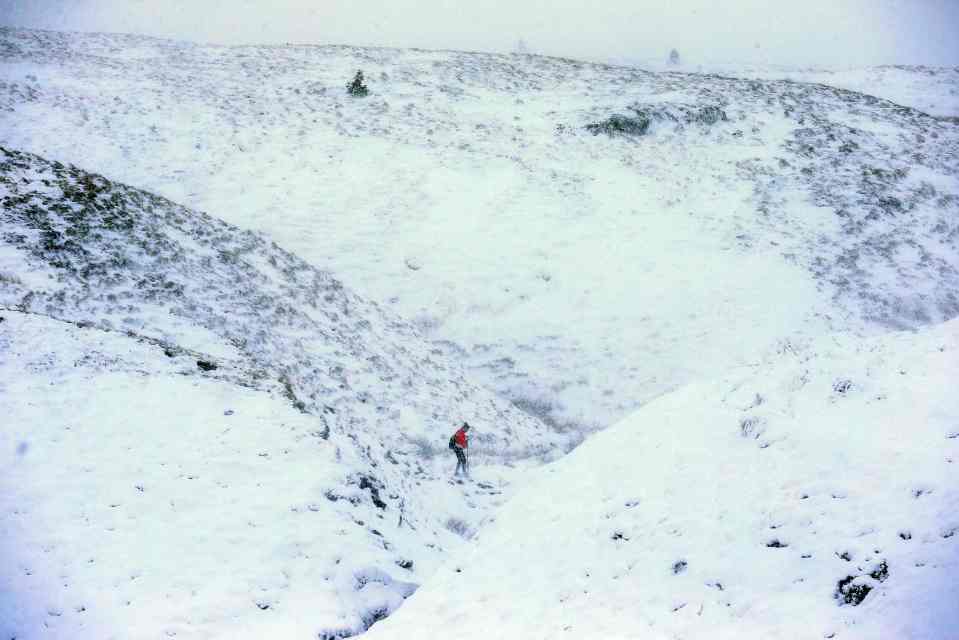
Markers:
point(216, 366)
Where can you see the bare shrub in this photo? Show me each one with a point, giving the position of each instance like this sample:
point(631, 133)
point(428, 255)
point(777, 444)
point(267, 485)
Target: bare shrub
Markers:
point(459, 527)
point(423, 447)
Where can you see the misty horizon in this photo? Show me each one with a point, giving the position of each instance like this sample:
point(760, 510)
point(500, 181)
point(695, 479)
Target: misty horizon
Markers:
point(817, 33)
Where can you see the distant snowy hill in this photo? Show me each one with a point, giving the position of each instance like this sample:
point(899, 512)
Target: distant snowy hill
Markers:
point(203, 432)
point(933, 90)
point(813, 495)
point(581, 275)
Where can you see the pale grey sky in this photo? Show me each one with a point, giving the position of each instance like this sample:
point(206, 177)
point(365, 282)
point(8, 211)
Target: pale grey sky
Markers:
point(795, 32)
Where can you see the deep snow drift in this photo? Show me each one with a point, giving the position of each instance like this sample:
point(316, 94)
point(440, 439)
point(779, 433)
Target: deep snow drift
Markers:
point(580, 275)
point(204, 434)
point(811, 496)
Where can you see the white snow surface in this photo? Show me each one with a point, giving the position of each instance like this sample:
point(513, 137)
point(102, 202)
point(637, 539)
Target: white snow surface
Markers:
point(699, 270)
point(934, 90)
point(205, 436)
point(732, 509)
point(135, 507)
point(579, 275)
point(142, 499)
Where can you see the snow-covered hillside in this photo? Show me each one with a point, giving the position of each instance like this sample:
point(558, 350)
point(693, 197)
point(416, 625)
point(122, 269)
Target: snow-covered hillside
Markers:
point(207, 435)
point(580, 275)
point(933, 90)
point(813, 495)
point(202, 432)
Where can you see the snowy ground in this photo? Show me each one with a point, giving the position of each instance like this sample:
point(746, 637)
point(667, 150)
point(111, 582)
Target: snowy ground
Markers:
point(181, 455)
point(114, 526)
point(579, 275)
point(934, 90)
point(809, 496)
point(298, 489)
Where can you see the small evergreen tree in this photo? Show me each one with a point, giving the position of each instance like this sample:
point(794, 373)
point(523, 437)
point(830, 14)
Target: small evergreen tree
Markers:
point(674, 57)
point(356, 88)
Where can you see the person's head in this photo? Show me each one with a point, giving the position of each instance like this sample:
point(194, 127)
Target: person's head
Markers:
point(466, 426)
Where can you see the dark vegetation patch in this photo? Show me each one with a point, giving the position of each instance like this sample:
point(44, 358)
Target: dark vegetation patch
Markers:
point(357, 86)
point(618, 124)
point(372, 485)
point(752, 427)
point(881, 572)
point(644, 116)
point(459, 527)
point(848, 591)
point(842, 386)
point(854, 589)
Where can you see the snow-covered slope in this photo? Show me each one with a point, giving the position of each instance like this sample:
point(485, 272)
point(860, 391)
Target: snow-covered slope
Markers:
point(202, 431)
point(142, 497)
point(269, 438)
point(811, 496)
point(933, 90)
point(580, 275)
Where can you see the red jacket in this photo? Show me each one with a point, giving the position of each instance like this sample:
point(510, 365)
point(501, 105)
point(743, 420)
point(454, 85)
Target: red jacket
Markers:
point(460, 438)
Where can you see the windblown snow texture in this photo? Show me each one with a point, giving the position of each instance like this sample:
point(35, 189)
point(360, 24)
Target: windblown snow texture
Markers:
point(466, 193)
point(208, 435)
point(197, 412)
point(812, 495)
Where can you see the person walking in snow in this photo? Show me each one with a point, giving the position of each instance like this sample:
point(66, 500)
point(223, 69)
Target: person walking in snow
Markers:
point(459, 442)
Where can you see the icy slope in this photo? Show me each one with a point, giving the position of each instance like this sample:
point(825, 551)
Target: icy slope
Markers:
point(811, 496)
point(136, 324)
point(581, 275)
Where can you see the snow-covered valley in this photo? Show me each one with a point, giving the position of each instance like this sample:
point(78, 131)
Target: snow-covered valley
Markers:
point(233, 423)
point(581, 275)
point(225, 431)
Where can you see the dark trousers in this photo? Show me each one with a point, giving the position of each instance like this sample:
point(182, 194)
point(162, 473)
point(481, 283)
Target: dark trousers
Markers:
point(460, 461)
